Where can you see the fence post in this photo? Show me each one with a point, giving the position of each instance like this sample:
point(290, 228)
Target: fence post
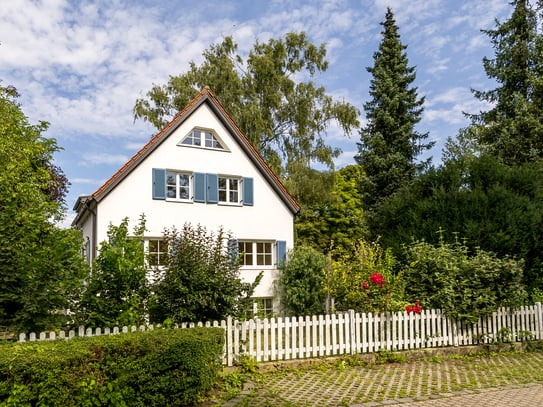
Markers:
point(539, 320)
point(352, 332)
point(229, 347)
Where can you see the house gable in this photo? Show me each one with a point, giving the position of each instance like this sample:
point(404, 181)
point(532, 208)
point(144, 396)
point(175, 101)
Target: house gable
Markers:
point(207, 99)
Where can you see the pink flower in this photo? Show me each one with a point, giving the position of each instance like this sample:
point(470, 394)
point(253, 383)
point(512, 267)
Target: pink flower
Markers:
point(365, 285)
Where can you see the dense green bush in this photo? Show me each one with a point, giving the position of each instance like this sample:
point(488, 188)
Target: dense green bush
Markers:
point(200, 280)
point(170, 367)
point(465, 284)
point(117, 291)
point(301, 282)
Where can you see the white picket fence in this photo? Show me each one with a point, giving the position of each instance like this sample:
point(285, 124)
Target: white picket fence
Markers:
point(276, 339)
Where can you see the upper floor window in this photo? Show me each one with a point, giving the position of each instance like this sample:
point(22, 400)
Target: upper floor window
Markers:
point(178, 186)
point(185, 186)
point(202, 138)
point(229, 190)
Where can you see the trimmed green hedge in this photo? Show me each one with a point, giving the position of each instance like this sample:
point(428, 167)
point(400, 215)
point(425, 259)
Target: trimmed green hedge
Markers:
point(169, 367)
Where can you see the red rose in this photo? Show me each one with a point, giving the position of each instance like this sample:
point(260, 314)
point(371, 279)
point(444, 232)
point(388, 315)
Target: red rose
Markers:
point(377, 279)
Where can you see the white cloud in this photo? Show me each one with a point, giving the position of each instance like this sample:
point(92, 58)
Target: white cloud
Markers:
point(89, 181)
point(346, 158)
point(66, 222)
point(93, 159)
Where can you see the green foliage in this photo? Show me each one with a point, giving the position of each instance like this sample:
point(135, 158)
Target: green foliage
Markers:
point(387, 356)
point(513, 128)
point(154, 368)
point(301, 281)
point(465, 285)
point(286, 120)
point(247, 364)
point(332, 219)
point(40, 265)
point(389, 143)
point(496, 207)
point(366, 279)
point(200, 280)
point(116, 293)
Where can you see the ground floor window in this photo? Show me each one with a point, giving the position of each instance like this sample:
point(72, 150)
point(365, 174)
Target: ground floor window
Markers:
point(262, 308)
point(156, 252)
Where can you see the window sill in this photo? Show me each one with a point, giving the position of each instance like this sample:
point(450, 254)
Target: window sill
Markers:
point(230, 204)
point(179, 200)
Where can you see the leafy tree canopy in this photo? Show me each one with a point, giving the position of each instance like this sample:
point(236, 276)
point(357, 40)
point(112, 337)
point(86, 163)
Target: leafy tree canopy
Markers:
point(496, 207)
point(336, 221)
point(285, 119)
point(40, 265)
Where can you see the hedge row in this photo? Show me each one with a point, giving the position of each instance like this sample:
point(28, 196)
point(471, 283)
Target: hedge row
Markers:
point(170, 367)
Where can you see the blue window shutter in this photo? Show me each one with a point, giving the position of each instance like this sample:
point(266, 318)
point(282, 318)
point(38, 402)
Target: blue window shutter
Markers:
point(248, 195)
point(233, 251)
point(159, 183)
point(199, 187)
point(281, 248)
point(212, 184)
point(88, 250)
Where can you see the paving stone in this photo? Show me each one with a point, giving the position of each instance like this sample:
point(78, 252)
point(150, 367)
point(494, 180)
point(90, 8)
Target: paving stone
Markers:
point(513, 379)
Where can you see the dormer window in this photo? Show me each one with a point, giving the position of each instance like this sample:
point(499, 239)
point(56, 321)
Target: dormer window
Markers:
point(203, 138)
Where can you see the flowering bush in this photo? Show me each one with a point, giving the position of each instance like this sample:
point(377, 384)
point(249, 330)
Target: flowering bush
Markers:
point(417, 308)
point(377, 279)
point(365, 280)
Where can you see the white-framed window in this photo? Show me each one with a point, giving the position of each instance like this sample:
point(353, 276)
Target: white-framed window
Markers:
point(202, 138)
point(230, 190)
point(157, 252)
point(256, 253)
point(179, 186)
point(262, 308)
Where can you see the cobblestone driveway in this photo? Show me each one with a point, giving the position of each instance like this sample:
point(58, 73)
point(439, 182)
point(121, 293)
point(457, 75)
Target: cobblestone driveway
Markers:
point(501, 380)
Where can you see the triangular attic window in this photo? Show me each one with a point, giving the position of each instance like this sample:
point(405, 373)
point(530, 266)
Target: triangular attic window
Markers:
point(202, 138)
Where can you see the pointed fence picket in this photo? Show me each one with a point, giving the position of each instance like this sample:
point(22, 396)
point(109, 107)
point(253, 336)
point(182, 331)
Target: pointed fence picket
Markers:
point(288, 338)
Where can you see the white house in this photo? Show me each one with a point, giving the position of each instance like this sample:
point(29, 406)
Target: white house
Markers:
point(201, 169)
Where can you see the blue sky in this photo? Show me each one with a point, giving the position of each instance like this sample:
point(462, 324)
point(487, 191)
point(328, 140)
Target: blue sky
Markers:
point(81, 65)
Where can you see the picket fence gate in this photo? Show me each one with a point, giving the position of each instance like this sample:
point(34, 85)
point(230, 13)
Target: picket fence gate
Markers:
point(348, 333)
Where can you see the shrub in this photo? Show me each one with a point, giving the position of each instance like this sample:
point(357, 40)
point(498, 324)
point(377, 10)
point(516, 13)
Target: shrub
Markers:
point(366, 280)
point(116, 292)
point(301, 281)
point(465, 285)
point(200, 280)
point(154, 368)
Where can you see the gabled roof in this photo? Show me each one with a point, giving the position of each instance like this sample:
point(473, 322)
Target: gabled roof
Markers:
point(208, 97)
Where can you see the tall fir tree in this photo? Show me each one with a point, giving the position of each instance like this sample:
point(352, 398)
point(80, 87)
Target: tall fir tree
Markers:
point(389, 143)
point(513, 128)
